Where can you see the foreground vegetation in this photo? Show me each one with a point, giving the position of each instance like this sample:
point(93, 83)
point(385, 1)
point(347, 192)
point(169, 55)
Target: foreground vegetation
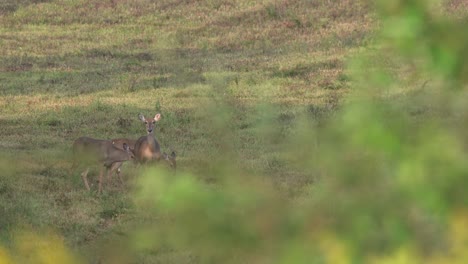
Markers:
point(301, 135)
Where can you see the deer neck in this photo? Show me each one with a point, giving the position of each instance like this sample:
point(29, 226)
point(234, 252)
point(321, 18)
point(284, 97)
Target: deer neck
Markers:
point(117, 155)
point(151, 138)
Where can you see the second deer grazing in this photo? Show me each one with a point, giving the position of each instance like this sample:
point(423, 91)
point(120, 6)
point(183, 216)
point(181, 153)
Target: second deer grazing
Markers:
point(120, 143)
point(90, 151)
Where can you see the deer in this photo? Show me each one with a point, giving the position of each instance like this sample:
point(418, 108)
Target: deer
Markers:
point(92, 151)
point(147, 148)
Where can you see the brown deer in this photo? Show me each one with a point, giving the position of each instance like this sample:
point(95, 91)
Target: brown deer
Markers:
point(92, 151)
point(147, 148)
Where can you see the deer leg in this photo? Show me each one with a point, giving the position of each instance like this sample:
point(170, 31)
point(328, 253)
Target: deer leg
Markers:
point(115, 167)
point(109, 176)
point(121, 180)
point(101, 179)
point(109, 171)
point(84, 176)
point(120, 177)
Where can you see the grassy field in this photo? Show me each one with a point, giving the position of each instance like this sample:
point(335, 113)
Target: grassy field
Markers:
point(229, 78)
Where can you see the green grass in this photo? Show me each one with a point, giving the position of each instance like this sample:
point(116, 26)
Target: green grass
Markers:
point(88, 67)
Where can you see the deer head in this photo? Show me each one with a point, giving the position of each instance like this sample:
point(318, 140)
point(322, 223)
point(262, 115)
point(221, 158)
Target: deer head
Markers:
point(150, 122)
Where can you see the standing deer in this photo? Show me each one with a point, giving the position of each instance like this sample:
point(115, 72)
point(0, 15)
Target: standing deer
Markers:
point(147, 148)
point(101, 152)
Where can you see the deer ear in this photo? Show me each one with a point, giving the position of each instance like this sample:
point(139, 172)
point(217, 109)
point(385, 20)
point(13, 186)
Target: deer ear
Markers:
point(165, 155)
point(173, 154)
point(125, 146)
point(157, 117)
point(141, 117)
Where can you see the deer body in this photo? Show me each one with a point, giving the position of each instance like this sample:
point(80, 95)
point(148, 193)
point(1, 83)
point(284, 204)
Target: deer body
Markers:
point(147, 149)
point(119, 142)
point(101, 152)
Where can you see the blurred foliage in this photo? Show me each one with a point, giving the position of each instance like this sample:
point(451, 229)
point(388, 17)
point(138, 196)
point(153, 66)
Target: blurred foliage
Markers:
point(47, 248)
point(420, 30)
point(391, 163)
